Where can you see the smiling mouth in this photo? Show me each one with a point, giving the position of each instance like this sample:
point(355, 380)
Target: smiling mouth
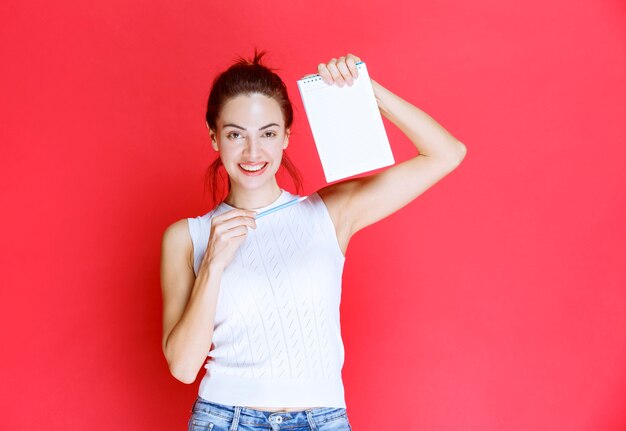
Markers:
point(252, 168)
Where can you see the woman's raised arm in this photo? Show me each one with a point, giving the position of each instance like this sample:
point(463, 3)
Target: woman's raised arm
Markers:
point(357, 203)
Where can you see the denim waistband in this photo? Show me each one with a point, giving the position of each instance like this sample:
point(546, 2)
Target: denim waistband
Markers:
point(248, 416)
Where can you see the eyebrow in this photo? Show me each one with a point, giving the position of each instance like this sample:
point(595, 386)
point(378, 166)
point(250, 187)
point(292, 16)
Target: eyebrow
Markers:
point(239, 127)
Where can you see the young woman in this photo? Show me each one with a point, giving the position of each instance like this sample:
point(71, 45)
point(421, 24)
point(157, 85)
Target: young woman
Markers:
point(258, 299)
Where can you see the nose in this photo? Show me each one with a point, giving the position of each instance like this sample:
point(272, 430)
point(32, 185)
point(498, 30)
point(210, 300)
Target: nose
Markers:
point(251, 149)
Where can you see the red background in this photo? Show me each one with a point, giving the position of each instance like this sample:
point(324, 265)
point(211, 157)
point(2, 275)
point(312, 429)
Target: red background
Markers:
point(495, 301)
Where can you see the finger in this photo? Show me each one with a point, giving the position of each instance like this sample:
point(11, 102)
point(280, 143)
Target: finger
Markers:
point(345, 72)
point(351, 63)
point(224, 225)
point(334, 71)
point(235, 232)
point(230, 234)
point(235, 212)
point(354, 57)
point(324, 73)
point(242, 221)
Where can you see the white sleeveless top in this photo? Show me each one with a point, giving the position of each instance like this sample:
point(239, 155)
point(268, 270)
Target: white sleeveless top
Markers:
point(277, 338)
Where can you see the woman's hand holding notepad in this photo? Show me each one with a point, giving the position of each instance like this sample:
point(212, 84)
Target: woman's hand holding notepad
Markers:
point(346, 124)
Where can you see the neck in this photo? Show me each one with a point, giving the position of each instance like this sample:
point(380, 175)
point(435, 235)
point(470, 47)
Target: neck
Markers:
point(253, 198)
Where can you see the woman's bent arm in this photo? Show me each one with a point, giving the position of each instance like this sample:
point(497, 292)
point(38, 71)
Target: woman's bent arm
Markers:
point(189, 304)
point(428, 136)
point(357, 203)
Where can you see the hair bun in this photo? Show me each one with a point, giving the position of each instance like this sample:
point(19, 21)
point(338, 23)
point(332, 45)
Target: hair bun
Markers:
point(255, 61)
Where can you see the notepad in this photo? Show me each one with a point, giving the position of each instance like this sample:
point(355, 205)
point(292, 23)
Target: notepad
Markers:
point(346, 124)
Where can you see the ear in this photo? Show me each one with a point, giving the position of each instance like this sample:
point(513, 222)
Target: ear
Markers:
point(212, 135)
point(286, 140)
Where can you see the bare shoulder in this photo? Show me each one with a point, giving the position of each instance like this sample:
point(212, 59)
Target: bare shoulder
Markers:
point(176, 244)
point(177, 234)
point(177, 275)
point(336, 197)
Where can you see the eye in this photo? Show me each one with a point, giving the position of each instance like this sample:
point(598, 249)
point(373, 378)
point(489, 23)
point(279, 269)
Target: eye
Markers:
point(269, 134)
point(233, 135)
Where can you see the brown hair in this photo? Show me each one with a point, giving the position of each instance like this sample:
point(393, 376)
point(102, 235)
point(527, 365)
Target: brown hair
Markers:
point(246, 77)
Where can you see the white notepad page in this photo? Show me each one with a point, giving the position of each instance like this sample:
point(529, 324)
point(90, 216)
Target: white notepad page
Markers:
point(346, 124)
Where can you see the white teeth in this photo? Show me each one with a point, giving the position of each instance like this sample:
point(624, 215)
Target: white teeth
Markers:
point(252, 168)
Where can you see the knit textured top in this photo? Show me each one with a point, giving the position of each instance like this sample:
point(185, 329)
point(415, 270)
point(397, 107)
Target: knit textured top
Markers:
point(277, 337)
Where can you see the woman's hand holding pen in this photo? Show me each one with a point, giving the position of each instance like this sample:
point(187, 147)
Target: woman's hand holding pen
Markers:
point(228, 232)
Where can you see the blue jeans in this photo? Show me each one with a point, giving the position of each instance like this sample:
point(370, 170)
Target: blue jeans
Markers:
point(210, 416)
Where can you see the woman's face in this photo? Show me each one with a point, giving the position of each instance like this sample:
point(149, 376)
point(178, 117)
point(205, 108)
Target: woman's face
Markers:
point(250, 138)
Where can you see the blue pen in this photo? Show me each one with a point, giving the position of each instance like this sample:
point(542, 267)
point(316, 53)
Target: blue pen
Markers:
point(280, 207)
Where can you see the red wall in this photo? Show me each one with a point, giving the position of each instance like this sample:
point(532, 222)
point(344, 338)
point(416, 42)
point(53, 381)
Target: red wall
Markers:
point(495, 301)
